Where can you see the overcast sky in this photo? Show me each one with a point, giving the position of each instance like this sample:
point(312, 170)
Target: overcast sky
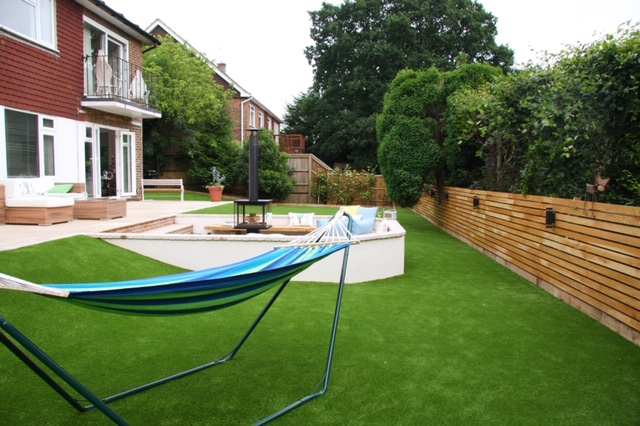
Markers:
point(262, 42)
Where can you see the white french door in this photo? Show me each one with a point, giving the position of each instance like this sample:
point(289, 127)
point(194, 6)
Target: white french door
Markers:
point(126, 165)
point(110, 162)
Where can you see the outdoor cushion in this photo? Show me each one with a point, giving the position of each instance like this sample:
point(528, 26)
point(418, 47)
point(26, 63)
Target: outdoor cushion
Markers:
point(39, 201)
point(368, 212)
point(352, 210)
point(321, 222)
point(363, 226)
point(305, 219)
point(61, 189)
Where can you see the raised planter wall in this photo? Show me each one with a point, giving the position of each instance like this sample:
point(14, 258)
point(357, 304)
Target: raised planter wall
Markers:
point(590, 258)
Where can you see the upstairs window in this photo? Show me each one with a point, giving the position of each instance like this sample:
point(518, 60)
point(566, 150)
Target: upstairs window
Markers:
point(252, 116)
point(106, 68)
point(261, 119)
point(33, 19)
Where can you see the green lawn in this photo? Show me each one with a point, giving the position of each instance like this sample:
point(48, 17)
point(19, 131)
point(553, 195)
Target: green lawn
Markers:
point(175, 195)
point(456, 340)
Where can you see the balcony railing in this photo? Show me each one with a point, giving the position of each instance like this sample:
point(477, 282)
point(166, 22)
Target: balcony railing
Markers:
point(292, 144)
point(116, 79)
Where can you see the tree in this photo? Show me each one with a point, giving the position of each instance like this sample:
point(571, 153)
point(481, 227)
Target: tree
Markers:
point(359, 48)
point(275, 179)
point(587, 121)
point(550, 129)
point(412, 128)
point(196, 125)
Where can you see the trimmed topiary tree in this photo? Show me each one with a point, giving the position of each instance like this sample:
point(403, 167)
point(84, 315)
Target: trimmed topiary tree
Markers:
point(412, 129)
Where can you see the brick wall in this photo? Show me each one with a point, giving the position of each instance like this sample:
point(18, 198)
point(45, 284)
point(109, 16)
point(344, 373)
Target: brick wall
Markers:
point(36, 79)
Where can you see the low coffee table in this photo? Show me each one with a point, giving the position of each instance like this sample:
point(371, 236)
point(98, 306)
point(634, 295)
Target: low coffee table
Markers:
point(100, 208)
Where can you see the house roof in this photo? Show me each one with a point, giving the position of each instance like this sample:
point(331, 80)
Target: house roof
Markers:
point(222, 74)
point(101, 9)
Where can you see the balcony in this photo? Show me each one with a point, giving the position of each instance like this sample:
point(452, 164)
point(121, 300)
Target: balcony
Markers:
point(115, 86)
point(292, 144)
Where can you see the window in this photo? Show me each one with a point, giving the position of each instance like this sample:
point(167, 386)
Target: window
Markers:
point(107, 71)
point(48, 148)
point(128, 162)
point(252, 116)
point(33, 19)
point(25, 141)
point(22, 144)
point(269, 123)
point(261, 119)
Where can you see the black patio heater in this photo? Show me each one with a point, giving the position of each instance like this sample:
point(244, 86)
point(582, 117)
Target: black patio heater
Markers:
point(250, 214)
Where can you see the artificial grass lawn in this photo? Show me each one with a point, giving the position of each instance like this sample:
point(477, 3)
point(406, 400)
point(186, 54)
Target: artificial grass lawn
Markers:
point(457, 339)
point(175, 195)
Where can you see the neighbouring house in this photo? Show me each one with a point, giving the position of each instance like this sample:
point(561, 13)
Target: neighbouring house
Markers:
point(246, 111)
point(73, 94)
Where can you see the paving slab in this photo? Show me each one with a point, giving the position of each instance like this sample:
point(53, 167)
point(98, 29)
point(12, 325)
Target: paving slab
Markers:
point(16, 236)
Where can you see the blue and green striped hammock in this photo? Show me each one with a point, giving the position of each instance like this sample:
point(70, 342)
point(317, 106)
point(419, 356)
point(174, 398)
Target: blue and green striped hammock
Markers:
point(186, 293)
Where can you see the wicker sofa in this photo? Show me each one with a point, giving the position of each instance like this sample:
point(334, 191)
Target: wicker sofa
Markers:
point(34, 201)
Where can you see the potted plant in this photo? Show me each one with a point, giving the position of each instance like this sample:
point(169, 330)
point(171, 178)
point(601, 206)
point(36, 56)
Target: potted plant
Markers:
point(215, 187)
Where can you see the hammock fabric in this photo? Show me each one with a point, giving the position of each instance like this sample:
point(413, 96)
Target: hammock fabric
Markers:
point(198, 291)
point(203, 290)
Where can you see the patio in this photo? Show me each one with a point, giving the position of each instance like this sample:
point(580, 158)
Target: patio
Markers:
point(15, 236)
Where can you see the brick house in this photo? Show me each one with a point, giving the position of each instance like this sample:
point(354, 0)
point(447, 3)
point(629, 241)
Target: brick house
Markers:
point(73, 94)
point(246, 111)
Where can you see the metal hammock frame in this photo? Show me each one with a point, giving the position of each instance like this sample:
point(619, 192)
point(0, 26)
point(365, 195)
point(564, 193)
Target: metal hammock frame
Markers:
point(27, 351)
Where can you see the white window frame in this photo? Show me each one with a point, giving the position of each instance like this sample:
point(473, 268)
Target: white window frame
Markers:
point(42, 132)
point(44, 15)
point(121, 75)
point(252, 116)
point(261, 119)
point(122, 162)
point(269, 124)
point(47, 131)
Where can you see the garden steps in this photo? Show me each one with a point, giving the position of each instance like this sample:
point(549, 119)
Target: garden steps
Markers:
point(161, 226)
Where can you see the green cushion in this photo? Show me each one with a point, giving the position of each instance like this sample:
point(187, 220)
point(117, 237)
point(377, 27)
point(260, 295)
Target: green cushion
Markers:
point(61, 189)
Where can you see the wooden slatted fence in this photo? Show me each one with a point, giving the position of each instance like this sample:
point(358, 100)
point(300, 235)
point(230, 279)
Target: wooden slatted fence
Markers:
point(590, 258)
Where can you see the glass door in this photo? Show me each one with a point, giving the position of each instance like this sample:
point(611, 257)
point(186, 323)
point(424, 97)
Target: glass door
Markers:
point(126, 164)
point(107, 163)
point(91, 166)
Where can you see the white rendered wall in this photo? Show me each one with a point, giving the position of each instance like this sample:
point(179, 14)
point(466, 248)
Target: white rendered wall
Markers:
point(377, 256)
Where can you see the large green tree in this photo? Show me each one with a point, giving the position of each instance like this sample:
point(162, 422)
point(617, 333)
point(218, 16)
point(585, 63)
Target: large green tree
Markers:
point(195, 128)
point(412, 128)
point(359, 48)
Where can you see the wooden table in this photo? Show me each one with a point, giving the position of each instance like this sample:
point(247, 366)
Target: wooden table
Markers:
point(100, 208)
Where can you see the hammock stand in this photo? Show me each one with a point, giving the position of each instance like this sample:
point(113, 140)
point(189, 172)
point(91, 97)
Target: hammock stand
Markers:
point(21, 346)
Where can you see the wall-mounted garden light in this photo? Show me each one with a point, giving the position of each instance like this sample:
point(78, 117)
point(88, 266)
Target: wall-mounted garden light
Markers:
point(446, 195)
point(476, 202)
point(549, 217)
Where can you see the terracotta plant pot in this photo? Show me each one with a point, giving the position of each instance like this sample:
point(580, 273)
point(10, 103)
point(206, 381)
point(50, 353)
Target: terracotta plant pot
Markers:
point(215, 192)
